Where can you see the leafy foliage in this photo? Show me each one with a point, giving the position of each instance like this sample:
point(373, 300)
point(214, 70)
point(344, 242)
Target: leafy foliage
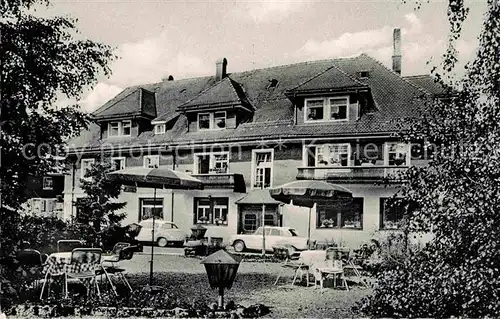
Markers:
point(458, 193)
point(97, 211)
point(41, 61)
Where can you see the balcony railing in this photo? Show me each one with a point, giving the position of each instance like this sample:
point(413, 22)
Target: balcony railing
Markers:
point(228, 181)
point(352, 173)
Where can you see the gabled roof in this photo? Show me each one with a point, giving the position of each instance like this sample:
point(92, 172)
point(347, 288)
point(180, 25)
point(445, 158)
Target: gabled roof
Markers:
point(427, 83)
point(133, 101)
point(273, 112)
point(224, 93)
point(328, 80)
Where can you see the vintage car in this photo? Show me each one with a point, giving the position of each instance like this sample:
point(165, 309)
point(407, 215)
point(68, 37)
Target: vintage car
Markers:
point(274, 236)
point(166, 233)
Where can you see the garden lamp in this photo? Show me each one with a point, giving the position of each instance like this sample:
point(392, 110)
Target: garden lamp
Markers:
point(221, 268)
point(198, 231)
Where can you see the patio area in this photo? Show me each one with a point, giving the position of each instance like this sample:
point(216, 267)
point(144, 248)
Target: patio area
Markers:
point(183, 277)
point(185, 285)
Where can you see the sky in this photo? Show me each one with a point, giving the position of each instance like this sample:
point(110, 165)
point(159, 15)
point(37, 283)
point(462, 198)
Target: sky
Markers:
point(155, 39)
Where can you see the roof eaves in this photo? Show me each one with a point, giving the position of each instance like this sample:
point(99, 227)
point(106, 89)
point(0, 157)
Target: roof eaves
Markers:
point(119, 115)
point(165, 120)
point(209, 105)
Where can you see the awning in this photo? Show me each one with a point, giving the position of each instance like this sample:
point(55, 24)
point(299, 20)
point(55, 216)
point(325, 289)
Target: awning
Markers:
point(257, 196)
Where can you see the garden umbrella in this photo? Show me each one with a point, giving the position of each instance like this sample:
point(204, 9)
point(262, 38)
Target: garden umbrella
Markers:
point(154, 178)
point(307, 193)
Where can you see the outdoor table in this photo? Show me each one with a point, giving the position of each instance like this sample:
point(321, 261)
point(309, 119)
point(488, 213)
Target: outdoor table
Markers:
point(59, 264)
point(333, 268)
point(309, 257)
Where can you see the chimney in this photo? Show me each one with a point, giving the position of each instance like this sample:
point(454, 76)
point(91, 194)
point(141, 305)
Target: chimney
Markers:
point(396, 56)
point(220, 69)
point(169, 78)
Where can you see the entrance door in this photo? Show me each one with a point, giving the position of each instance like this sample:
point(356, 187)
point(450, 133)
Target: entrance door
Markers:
point(251, 217)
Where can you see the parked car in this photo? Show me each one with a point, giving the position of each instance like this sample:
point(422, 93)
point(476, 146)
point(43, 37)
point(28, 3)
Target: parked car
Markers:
point(165, 233)
point(275, 236)
point(119, 234)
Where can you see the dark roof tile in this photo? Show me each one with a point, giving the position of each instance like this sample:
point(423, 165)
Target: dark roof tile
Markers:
point(395, 97)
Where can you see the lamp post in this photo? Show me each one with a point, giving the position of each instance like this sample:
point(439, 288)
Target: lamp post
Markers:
point(221, 268)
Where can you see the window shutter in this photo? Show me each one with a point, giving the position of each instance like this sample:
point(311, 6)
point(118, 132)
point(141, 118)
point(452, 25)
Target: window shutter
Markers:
point(353, 111)
point(381, 213)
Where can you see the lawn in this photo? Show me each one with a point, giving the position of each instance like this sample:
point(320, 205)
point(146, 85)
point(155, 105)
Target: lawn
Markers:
point(186, 278)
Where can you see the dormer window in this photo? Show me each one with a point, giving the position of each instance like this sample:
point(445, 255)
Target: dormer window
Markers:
point(119, 128)
point(160, 128)
point(326, 109)
point(212, 121)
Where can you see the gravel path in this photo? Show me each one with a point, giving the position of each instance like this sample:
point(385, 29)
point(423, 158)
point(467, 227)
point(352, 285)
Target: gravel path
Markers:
point(186, 278)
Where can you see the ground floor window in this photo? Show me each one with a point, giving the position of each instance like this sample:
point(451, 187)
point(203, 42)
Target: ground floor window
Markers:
point(346, 214)
point(150, 206)
point(211, 210)
point(251, 217)
point(392, 211)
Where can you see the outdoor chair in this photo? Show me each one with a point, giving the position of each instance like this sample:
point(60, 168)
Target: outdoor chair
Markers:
point(32, 263)
point(291, 261)
point(67, 245)
point(125, 253)
point(115, 253)
point(332, 266)
point(84, 265)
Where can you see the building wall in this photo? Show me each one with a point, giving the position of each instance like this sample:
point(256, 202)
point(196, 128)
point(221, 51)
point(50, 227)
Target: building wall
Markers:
point(286, 162)
point(297, 217)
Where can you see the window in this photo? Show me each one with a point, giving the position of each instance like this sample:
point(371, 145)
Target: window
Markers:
point(151, 161)
point(364, 74)
point(338, 108)
point(213, 163)
point(211, 211)
point(327, 109)
point(118, 162)
point(333, 155)
point(392, 211)
point(85, 165)
point(114, 129)
point(212, 121)
point(274, 232)
point(269, 220)
point(204, 121)
point(160, 128)
point(250, 222)
point(150, 206)
point(262, 172)
point(347, 214)
point(126, 128)
point(48, 183)
point(220, 120)
point(119, 128)
point(315, 110)
point(397, 154)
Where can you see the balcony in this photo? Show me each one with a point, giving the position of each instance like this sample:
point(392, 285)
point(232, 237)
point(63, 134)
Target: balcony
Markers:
point(235, 182)
point(350, 174)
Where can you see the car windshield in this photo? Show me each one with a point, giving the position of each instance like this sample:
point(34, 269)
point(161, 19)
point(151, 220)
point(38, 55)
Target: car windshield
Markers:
point(258, 231)
point(292, 231)
point(169, 226)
